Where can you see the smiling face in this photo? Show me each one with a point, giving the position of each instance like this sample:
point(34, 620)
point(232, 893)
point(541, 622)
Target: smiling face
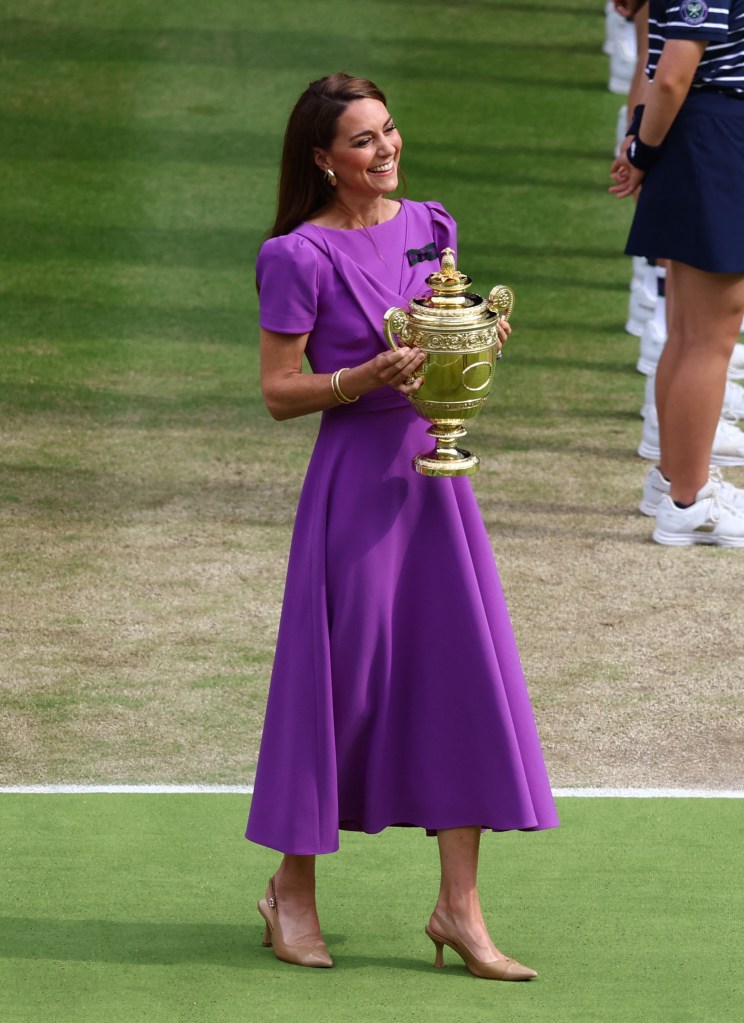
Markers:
point(364, 154)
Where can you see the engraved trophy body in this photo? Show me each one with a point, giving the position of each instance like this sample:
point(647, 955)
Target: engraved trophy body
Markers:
point(458, 331)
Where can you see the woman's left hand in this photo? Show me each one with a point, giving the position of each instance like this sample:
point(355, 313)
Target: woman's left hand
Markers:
point(505, 330)
point(627, 177)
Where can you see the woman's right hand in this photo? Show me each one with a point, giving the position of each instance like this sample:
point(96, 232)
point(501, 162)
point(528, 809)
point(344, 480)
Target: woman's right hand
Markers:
point(288, 392)
point(394, 368)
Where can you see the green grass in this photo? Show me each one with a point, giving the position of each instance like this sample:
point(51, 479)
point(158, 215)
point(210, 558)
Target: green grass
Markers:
point(146, 498)
point(134, 908)
point(146, 502)
point(145, 495)
point(141, 149)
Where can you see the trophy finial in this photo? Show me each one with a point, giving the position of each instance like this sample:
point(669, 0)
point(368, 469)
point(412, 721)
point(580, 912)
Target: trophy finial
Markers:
point(448, 262)
point(448, 280)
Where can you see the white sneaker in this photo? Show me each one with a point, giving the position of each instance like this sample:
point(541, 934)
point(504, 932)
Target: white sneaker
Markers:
point(728, 442)
point(733, 399)
point(736, 363)
point(639, 264)
point(649, 445)
point(641, 305)
point(653, 339)
point(623, 59)
point(614, 24)
point(710, 520)
point(656, 486)
point(649, 395)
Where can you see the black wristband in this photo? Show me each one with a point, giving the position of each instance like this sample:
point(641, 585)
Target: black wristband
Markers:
point(635, 122)
point(642, 157)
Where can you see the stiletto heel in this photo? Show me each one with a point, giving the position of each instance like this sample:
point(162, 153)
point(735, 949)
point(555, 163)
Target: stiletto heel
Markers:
point(498, 969)
point(439, 950)
point(315, 954)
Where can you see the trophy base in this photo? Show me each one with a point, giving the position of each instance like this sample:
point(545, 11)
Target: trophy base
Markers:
point(463, 464)
point(446, 459)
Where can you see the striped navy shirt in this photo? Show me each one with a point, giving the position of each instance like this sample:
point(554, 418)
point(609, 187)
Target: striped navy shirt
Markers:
point(720, 23)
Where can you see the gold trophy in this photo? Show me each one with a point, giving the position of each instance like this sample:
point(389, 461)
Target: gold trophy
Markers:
point(458, 330)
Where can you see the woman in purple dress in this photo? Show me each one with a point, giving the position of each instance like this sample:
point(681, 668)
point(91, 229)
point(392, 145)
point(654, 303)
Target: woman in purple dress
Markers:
point(397, 696)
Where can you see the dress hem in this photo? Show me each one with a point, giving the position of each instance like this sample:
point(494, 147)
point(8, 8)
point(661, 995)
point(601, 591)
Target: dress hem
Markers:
point(356, 826)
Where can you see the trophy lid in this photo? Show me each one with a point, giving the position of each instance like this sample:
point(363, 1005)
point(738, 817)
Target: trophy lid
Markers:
point(448, 291)
point(448, 280)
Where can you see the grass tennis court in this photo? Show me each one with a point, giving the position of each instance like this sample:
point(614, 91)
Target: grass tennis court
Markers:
point(146, 497)
point(146, 501)
point(138, 908)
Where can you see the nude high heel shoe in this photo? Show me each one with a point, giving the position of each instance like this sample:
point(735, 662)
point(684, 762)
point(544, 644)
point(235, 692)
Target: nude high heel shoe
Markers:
point(499, 969)
point(315, 954)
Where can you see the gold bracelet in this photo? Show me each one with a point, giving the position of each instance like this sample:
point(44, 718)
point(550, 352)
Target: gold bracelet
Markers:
point(336, 388)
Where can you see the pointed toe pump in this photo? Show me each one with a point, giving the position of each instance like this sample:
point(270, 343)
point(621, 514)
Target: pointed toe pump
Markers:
point(313, 953)
point(498, 969)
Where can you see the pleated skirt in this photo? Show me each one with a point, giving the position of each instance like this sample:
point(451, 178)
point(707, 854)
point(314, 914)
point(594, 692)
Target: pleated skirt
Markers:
point(691, 204)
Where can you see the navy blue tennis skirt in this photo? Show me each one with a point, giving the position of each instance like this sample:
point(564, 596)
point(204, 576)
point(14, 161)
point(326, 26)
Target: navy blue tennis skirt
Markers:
point(691, 205)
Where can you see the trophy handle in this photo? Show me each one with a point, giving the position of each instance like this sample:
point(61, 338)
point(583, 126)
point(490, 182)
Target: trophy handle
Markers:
point(501, 301)
point(395, 321)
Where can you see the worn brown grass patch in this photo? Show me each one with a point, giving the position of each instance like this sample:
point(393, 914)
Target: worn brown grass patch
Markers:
point(143, 580)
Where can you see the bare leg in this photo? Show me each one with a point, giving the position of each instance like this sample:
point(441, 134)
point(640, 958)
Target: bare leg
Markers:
point(663, 370)
point(458, 904)
point(295, 895)
point(705, 315)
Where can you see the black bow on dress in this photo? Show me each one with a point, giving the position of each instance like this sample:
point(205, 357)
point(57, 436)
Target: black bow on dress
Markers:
point(419, 255)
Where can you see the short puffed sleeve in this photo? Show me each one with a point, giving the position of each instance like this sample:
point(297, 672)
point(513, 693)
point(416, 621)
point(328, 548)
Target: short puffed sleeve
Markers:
point(287, 275)
point(445, 228)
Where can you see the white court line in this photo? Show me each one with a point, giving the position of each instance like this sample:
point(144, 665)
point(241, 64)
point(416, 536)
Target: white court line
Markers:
point(245, 790)
point(606, 793)
point(154, 790)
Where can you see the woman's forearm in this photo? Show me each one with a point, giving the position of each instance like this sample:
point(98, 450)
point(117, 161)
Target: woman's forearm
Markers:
point(302, 394)
point(289, 393)
point(640, 83)
point(670, 87)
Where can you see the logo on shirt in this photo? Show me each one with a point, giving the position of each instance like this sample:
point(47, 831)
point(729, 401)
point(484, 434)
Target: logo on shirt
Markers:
point(693, 12)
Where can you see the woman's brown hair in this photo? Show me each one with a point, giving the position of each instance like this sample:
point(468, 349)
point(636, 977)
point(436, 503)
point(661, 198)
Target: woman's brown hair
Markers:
point(303, 189)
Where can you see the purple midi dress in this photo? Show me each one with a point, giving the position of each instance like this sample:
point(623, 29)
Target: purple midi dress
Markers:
point(397, 695)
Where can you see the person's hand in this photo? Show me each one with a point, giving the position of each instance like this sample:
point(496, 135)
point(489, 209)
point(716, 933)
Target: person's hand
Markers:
point(505, 329)
point(395, 368)
point(627, 178)
point(628, 8)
